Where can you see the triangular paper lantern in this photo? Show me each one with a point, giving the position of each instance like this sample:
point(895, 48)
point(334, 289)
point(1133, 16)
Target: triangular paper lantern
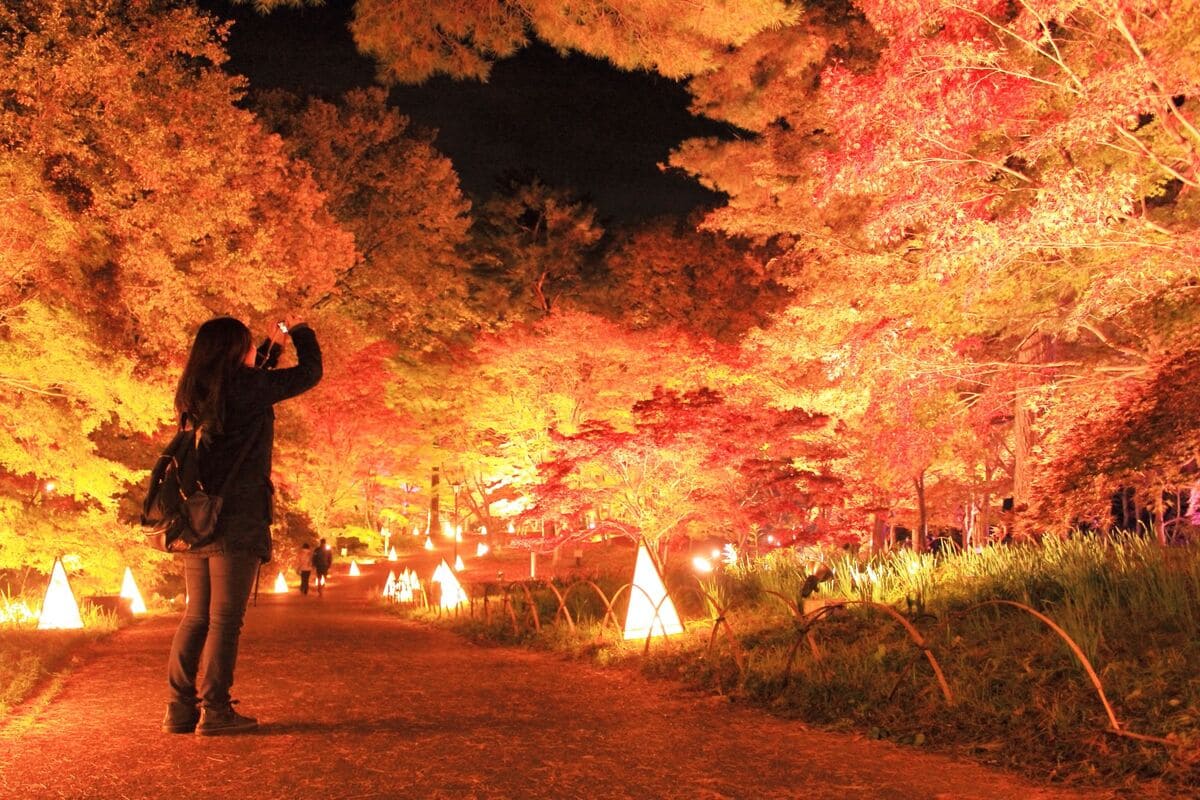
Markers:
point(459, 566)
point(392, 555)
point(648, 591)
point(481, 549)
point(428, 543)
point(354, 573)
point(390, 587)
point(280, 584)
point(129, 590)
point(416, 531)
point(452, 591)
point(59, 609)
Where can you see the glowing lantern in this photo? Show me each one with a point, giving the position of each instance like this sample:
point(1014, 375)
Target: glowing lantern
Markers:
point(459, 566)
point(392, 554)
point(511, 529)
point(390, 588)
point(701, 564)
point(428, 543)
point(353, 572)
point(447, 531)
point(280, 584)
point(647, 592)
point(483, 530)
point(416, 531)
point(452, 591)
point(481, 549)
point(729, 554)
point(59, 609)
point(129, 589)
point(408, 582)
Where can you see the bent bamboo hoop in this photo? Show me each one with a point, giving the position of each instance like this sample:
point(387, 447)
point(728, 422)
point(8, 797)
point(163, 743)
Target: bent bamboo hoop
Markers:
point(609, 614)
point(562, 607)
point(805, 624)
point(721, 622)
point(1114, 724)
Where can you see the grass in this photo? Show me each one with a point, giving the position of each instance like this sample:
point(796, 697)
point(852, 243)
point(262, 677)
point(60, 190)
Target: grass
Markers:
point(30, 659)
point(1021, 697)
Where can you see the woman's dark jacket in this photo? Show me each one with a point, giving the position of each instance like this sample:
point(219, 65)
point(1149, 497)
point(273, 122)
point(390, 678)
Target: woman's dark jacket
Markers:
point(244, 524)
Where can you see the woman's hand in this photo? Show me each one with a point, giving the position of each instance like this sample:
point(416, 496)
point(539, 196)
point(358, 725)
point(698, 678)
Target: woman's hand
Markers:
point(277, 335)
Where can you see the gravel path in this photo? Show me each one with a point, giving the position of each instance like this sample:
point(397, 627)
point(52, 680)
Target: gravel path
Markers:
point(359, 704)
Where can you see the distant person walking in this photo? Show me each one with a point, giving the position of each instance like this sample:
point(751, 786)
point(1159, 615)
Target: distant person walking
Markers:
point(322, 559)
point(304, 566)
point(228, 402)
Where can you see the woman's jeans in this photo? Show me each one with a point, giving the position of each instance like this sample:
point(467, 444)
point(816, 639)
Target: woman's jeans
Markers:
point(218, 588)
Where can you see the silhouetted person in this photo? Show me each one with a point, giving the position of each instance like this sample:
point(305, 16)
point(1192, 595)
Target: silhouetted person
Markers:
point(322, 560)
point(228, 402)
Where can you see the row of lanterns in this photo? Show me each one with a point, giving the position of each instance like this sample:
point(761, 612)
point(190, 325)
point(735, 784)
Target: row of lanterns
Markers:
point(61, 612)
point(651, 610)
point(401, 589)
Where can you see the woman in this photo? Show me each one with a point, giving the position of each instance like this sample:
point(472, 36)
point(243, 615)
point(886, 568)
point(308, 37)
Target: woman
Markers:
point(229, 401)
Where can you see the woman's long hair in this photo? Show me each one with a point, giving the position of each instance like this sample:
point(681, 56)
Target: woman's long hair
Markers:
point(217, 353)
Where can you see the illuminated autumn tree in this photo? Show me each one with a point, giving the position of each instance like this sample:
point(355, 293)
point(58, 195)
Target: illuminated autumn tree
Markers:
point(138, 200)
point(1020, 169)
point(530, 245)
point(414, 40)
point(400, 198)
point(667, 274)
point(692, 463)
point(339, 447)
point(1142, 438)
point(491, 417)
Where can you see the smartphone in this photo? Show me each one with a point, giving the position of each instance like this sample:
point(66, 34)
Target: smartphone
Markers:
point(282, 327)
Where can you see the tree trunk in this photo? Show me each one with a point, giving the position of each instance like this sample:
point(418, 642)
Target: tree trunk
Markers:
point(921, 534)
point(1160, 526)
point(435, 522)
point(983, 524)
point(1033, 350)
point(879, 533)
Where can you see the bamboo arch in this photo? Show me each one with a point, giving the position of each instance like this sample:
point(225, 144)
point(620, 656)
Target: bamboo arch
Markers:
point(805, 623)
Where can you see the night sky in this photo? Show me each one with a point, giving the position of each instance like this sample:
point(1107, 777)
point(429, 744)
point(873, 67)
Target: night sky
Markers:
point(575, 122)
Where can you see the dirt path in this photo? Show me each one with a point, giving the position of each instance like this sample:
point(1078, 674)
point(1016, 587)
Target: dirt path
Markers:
point(358, 704)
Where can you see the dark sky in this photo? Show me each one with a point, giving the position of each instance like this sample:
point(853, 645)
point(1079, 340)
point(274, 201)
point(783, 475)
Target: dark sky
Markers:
point(575, 122)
